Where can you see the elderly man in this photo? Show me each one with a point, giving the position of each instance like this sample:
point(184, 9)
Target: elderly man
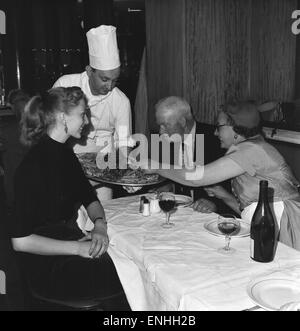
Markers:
point(174, 116)
point(110, 108)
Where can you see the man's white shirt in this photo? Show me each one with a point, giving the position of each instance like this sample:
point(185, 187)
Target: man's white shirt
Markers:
point(110, 116)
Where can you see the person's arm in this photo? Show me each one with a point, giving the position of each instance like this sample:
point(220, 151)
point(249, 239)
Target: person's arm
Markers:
point(221, 193)
point(96, 212)
point(212, 173)
point(123, 124)
point(40, 245)
point(231, 202)
point(204, 206)
point(99, 236)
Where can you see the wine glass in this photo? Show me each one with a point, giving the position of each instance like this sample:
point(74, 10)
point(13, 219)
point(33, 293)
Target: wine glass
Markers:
point(228, 225)
point(166, 204)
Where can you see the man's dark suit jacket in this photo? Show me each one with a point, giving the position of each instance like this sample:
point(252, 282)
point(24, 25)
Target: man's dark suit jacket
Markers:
point(212, 151)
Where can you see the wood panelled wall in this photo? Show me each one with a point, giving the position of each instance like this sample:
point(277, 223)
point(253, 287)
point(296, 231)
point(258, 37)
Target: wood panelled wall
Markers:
point(218, 49)
point(273, 50)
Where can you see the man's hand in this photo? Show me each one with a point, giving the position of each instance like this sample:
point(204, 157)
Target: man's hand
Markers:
point(204, 206)
point(217, 191)
point(132, 189)
point(169, 187)
point(149, 166)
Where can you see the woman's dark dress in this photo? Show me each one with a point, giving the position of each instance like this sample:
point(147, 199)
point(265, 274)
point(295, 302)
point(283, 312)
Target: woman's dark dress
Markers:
point(49, 188)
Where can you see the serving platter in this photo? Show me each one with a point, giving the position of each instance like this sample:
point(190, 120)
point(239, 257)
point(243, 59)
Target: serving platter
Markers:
point(123, 177)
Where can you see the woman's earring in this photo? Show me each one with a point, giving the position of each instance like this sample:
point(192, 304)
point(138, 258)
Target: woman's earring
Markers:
point(235, 136)
point(65, 125)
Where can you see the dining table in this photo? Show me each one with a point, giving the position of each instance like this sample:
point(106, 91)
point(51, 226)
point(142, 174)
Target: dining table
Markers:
point(180, 268)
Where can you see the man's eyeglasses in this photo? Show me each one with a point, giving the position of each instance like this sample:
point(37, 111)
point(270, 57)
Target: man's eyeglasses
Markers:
point(218, 126)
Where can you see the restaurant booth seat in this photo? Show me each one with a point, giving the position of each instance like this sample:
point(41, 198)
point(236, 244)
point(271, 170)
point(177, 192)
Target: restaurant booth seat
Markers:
point(36, 300)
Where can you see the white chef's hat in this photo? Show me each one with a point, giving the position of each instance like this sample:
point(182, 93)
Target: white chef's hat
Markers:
point(103, 48)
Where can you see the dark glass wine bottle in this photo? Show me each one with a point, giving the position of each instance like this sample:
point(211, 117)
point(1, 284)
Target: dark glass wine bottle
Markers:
point(263, 229)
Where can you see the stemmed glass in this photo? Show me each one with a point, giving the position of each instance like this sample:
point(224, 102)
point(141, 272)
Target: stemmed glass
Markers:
point(167, 203)
point(228, 225)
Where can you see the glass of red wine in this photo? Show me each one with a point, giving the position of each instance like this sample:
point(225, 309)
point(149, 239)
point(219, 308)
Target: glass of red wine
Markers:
point(167, 204)
point(228, 225)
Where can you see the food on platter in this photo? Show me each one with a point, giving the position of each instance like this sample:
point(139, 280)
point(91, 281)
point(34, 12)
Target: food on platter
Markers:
point(116, 176)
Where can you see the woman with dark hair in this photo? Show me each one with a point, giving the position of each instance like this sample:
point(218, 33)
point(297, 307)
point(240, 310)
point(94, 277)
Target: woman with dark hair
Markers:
point(50, 186)
point(249, 159)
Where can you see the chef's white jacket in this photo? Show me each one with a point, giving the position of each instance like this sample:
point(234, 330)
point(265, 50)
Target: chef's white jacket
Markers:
point(110, 116)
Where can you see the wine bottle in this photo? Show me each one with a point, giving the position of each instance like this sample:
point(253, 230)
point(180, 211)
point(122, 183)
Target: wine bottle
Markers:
point(263, 230)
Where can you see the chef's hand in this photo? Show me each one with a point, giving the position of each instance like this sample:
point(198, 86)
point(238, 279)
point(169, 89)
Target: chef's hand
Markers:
point(204, 206)
point(150, 166)
point(132, 189)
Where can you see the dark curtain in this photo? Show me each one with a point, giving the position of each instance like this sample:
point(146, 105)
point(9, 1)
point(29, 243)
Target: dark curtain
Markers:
point(97, 12)
point(46, 39)
point(58, 40)
point(298, 65)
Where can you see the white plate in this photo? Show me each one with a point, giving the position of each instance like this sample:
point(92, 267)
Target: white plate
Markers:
point(271, 294)
point(212, 227)
point(183, 200)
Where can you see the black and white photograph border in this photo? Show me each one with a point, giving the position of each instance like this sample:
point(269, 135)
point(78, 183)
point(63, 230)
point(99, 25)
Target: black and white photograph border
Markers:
point(149, 68)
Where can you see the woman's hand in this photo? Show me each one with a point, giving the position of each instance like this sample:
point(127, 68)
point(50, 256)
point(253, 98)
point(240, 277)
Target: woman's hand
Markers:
point(204, 206)
point(100, 241)
point(97, 240)
point(84, 247)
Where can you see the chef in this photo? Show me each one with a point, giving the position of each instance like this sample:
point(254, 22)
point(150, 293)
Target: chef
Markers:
point(109, 106)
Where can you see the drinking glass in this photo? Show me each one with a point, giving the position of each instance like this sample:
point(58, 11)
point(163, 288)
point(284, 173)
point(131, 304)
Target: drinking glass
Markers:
point(166, 204)
point(228, 225)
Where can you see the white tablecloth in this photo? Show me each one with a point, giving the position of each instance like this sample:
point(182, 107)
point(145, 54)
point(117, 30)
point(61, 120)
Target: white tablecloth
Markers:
point(180, 268)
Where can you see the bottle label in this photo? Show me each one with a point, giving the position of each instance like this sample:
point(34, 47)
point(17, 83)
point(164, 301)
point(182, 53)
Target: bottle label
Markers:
point(251, 248)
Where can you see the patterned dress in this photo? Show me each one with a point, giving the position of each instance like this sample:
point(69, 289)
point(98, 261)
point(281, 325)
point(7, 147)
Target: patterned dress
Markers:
point(261, 161)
